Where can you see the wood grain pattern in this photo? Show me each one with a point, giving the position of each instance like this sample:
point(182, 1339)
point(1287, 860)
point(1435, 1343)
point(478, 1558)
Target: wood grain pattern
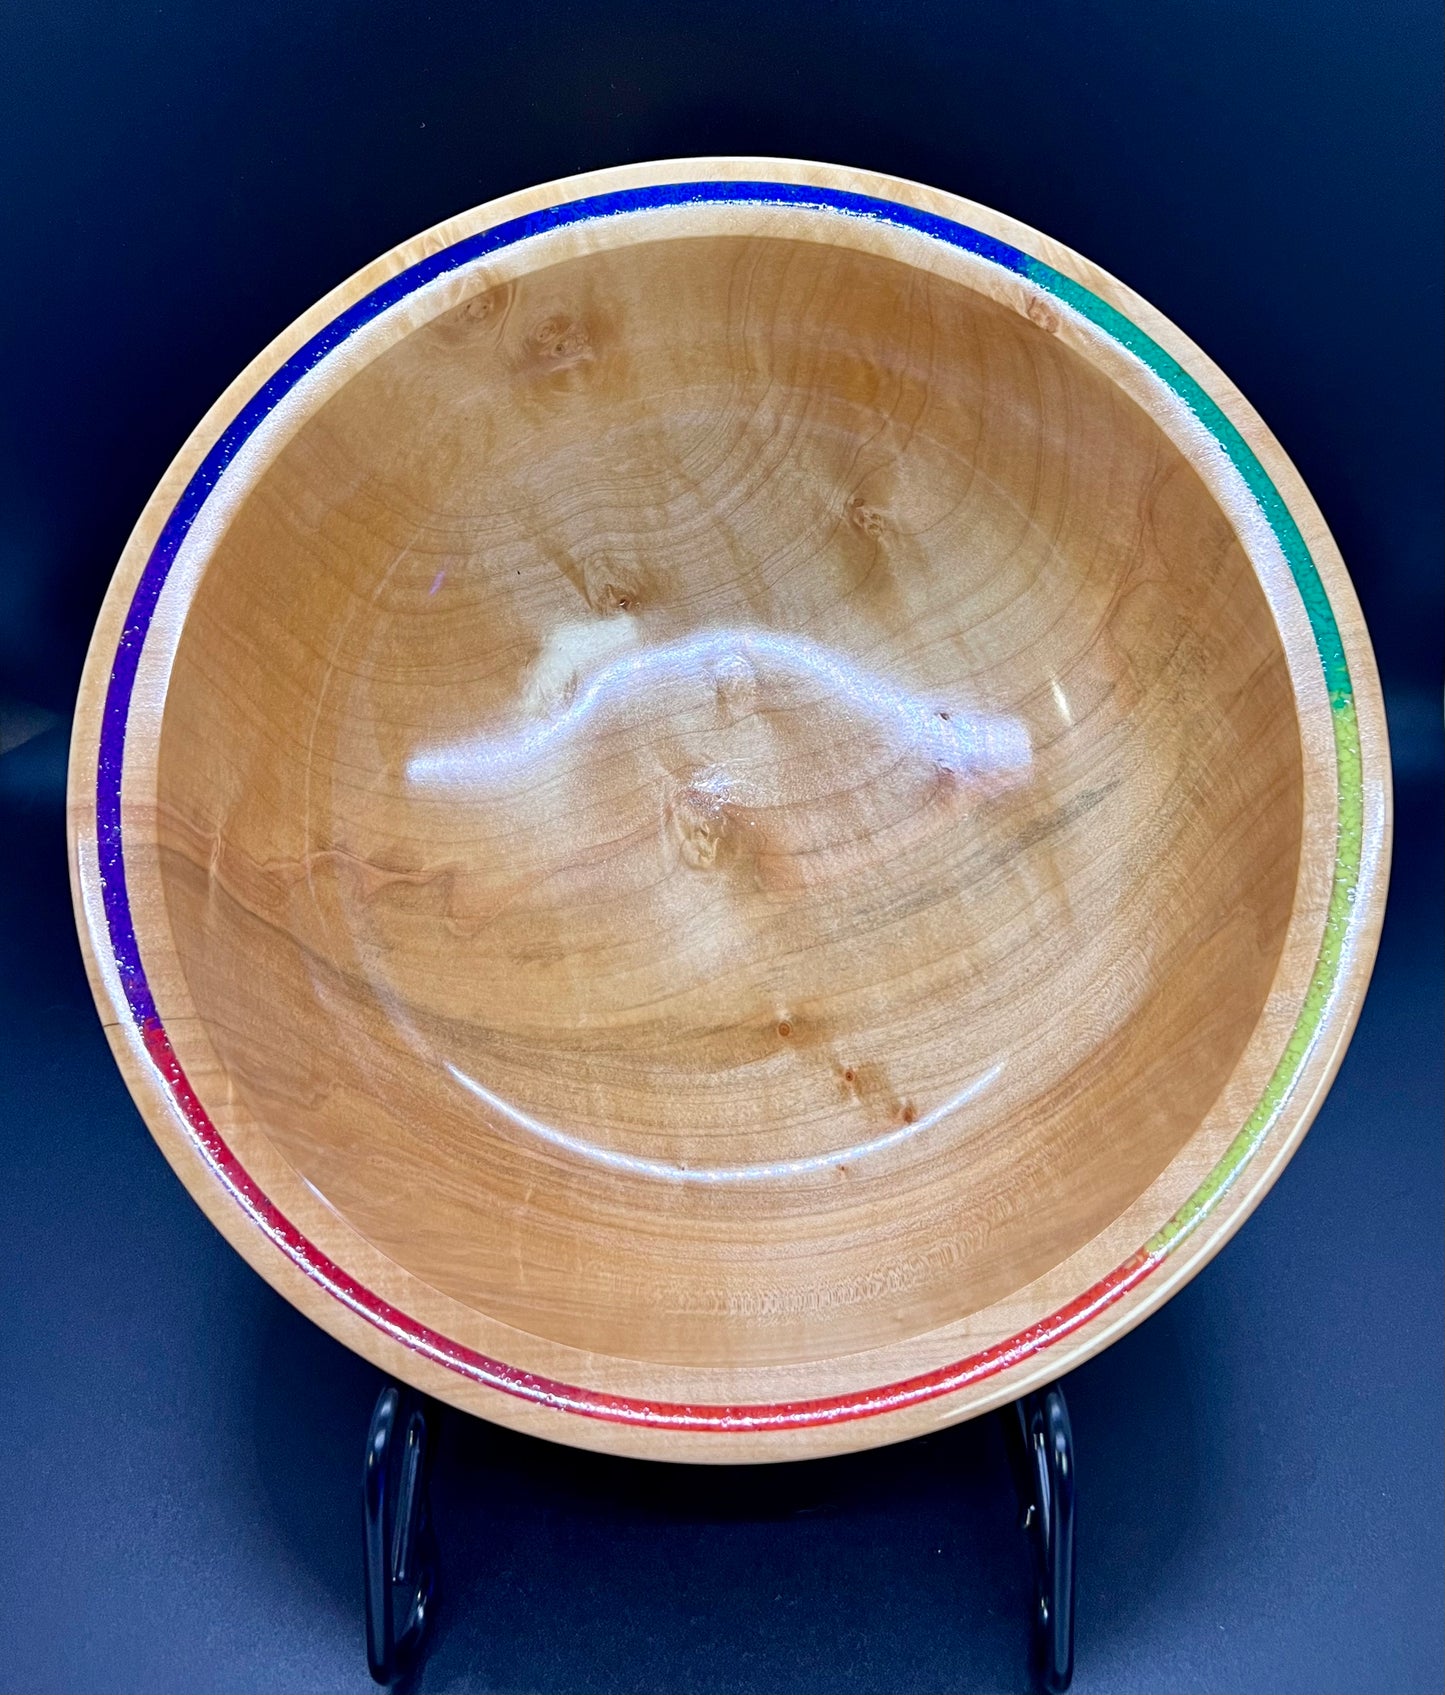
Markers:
point(727, 809)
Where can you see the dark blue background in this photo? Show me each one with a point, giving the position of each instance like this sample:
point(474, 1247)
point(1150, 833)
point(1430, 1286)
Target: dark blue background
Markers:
point(1260, 1464)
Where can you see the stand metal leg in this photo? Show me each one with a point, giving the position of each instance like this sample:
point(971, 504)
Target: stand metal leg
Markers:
point(1042, 1447)
point(399, 1549)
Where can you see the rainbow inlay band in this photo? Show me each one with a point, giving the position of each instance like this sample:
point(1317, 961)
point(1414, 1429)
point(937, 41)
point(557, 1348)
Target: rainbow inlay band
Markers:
point(831, 1409)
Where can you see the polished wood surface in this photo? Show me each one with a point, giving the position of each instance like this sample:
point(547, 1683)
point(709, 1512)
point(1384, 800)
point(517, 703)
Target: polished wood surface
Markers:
point(728, 803)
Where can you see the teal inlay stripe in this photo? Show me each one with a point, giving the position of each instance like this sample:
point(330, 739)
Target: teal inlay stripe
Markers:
point(1241, 456)
point(1326, 632)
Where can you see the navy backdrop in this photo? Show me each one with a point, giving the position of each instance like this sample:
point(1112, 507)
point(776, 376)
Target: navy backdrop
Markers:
point(1260, 1464)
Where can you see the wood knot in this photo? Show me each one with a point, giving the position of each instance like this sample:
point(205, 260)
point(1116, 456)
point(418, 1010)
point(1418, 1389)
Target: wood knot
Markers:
point(482, 314)
point(560, 339)
point(856, 1082)
point(1042, 315)
point(735, 683)
point(481, 307)
point(700, 823)
point(866, 519)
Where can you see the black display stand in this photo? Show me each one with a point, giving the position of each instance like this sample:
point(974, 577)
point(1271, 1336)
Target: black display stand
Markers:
point(399, 1548)
point(1042, 1446)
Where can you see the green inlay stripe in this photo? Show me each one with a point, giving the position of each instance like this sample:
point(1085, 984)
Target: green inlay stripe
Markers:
point(1326, 631)
point(1322, 981)
point(1238, 450)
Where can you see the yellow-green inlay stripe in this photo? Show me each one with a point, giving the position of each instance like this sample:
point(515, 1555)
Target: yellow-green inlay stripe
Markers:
point(1350, 842)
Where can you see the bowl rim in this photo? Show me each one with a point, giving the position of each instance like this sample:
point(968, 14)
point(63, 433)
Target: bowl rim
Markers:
point(1339, 901)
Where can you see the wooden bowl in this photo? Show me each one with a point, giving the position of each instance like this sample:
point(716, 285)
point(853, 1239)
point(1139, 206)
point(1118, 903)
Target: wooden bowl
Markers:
point(729, 809)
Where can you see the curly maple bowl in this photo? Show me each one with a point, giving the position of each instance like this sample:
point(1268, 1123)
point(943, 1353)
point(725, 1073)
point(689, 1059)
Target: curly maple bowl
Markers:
point(729, 809)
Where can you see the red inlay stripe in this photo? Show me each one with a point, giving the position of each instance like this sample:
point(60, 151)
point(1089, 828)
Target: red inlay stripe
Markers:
point(593, 1403)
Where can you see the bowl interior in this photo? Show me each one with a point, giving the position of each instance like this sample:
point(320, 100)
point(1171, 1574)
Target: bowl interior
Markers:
point(729, 801)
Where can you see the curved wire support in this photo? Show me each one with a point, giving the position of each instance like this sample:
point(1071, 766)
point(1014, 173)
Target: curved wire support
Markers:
point(1042, 1448)
point(399, 1548)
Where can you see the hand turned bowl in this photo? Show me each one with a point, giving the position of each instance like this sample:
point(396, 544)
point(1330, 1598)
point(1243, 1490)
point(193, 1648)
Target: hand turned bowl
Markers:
point(729, 809)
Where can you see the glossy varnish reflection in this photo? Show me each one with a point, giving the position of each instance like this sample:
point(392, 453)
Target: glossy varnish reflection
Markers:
point(734, 803)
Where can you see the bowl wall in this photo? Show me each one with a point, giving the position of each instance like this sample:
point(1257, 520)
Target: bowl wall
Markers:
point(725, 802)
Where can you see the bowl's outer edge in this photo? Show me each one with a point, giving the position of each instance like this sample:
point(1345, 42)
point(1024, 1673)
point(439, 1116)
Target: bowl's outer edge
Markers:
point(803, 1440)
